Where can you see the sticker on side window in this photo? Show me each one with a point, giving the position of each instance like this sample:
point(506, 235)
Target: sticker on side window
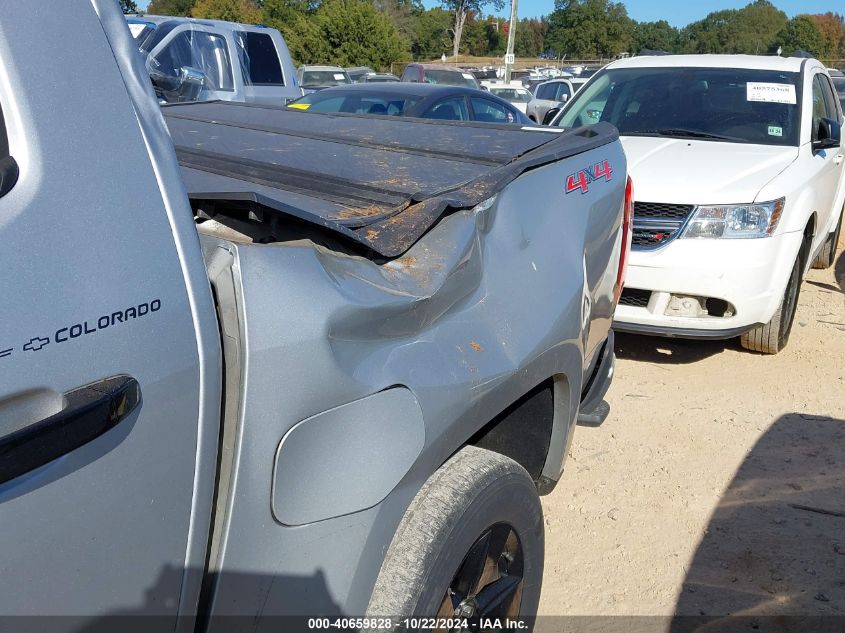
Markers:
point(774, 130)
point(771, 93)
point(338, 76)
point(468, 76)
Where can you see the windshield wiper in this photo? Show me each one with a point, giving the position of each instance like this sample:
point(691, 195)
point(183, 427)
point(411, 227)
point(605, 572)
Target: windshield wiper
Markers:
point(676, 131)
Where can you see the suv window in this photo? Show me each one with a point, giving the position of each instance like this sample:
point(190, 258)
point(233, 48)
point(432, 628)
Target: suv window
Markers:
point(546, 91)
point(829, 98)
point(823, 104)
point(259, 59)
point(563, 91)
point(206, 52)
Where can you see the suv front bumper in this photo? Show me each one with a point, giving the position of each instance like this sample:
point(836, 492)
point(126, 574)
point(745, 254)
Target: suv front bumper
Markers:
point(749, 274)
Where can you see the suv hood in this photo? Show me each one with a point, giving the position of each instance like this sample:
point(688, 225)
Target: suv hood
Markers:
point(686, 171)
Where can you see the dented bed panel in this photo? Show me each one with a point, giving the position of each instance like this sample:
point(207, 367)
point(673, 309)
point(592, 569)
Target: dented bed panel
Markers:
point(491, 302)
point(379, 181)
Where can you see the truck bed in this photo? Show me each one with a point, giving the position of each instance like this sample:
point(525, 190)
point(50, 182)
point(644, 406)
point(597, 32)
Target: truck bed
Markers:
point(379, 181)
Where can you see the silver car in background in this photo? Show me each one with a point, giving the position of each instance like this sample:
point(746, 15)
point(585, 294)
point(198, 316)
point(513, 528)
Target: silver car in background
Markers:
point(548, 95)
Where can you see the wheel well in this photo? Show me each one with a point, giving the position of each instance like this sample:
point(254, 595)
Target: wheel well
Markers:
point(523, 431)
point(806, 245)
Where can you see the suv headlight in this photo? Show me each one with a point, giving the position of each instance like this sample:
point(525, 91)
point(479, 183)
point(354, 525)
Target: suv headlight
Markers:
point(735, 220)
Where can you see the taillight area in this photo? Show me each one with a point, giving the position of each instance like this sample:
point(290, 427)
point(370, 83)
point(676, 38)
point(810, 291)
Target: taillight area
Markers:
point(627, 226)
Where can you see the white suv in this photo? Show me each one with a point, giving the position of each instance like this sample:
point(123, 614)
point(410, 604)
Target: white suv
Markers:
point(737, 163)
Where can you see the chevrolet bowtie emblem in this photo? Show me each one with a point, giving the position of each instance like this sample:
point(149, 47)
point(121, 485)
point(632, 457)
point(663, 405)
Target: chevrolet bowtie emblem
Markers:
point(35, 344)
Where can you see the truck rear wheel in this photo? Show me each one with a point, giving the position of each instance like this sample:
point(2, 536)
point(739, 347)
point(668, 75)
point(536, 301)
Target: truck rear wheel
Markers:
point(827, 255)
point(772, 337)
point(469, 546)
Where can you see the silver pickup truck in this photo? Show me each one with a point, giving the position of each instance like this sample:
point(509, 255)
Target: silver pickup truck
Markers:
point(259, 366)
point(191, 59)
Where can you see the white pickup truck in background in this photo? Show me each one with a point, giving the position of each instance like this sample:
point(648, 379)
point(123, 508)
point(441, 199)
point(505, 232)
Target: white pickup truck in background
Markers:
point(738, 165)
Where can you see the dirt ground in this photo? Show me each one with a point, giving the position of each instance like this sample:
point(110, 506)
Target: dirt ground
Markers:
point(705, 490)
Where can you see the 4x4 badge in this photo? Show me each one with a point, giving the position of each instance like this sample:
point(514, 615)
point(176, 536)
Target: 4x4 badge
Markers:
point(581, 180)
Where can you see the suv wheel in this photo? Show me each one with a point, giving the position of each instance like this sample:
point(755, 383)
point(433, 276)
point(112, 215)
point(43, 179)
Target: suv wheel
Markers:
point(772, 337)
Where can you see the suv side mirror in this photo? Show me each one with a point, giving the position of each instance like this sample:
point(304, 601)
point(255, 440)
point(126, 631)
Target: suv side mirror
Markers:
point(828, 135)
point(184, 87)
point(550, 115)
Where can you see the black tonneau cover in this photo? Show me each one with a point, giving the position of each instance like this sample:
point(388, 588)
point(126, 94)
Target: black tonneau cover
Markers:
point(381, 181)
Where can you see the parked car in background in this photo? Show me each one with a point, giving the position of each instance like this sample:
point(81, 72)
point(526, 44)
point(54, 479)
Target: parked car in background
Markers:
point(378, 78)
point(547, 95)
point(517, 96)
point(209, 60)
point(447, 103)
point(315, 77)
point(357, 73)
point(439, 74)
point(738, 163)
point(485, 74)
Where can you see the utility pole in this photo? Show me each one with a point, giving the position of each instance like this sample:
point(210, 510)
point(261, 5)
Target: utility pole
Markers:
point(509, 58)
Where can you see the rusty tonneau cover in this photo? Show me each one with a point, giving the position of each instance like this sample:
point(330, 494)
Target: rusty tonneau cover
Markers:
point(380, 181)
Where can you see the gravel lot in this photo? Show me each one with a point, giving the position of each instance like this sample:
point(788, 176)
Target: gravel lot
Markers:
point(693, 496)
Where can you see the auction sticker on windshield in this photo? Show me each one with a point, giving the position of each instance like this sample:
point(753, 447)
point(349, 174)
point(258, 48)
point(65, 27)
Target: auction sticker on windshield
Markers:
point(771, 93)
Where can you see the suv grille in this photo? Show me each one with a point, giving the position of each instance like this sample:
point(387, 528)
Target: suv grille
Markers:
point(635, 297)
point(656, 223)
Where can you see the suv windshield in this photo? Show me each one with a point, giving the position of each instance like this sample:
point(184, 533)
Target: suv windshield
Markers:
point(721, 104)
point(324, 78)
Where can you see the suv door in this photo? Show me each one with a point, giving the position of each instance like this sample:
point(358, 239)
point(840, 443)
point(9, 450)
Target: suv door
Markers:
point(828, 162)
point(109, 379)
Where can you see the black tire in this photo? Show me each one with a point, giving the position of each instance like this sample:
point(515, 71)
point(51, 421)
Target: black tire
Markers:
point(827, 255)
point(772, 337)
point(436, 546)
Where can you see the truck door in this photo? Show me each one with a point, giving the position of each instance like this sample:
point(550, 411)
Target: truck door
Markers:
point(109, 384)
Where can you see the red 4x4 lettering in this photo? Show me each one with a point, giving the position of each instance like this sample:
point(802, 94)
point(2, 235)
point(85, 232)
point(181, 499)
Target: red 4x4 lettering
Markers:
point(581, 180)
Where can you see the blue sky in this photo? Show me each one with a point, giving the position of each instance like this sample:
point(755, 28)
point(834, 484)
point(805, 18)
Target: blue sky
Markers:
point(679, 12)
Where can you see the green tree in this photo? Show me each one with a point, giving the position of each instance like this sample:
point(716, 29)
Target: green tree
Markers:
point(461, 10)
point(342, 32)
point(279, 12)
point(128, 6)
point(659, 35)
point(431, 37)
point(586, 29)
point(170, 7)
point(801, 33)
point(530, 37)
point(230, 10)
point(751, 30)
